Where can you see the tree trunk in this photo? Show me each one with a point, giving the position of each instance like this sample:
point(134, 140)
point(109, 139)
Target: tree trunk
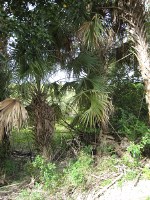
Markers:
point(137, 30)
point(4, 80)
point(44, 121)
point(5, 146)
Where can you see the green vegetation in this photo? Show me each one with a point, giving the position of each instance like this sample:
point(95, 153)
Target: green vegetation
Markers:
point(25, 195)
point(147, 198)
point(79, 169)
point(22, 139)
point(83, 131)
point(146, 172)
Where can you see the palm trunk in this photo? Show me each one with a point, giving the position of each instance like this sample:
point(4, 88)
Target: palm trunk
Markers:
point(44, 121)
point(5, 146)
point(4, 80)
point(136, 17)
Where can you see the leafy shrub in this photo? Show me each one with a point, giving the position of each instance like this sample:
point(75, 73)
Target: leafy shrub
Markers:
point(129, 97)
point(128, 125)
point(145, 142)
point(48, 173)
point(128, 161)
point(13, 167)
point(59, 143)
point(130, 175)
point(10, 166)
point(78, 169)
point(137, 149)
point(106, 182)
point(34, 195)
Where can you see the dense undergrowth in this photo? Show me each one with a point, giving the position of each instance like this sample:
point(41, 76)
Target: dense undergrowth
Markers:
point(79, 162)
point(72, 167)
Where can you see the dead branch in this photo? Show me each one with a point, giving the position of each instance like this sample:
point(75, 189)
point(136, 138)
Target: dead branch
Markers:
point(100, 193)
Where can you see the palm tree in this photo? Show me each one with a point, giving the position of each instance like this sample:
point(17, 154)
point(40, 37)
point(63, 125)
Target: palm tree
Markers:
point(34, 56)
point(91, 99)
point(135, 11)
point(95, 38)
point(130, 18)
point(121, 18)
point(41, 113)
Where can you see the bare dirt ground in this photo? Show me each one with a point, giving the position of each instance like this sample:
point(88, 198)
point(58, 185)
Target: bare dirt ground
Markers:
point(128, 191)
point(125, 192)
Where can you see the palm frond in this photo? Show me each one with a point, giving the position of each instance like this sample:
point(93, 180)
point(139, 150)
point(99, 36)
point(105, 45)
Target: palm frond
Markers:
point(39, 68)
point(12, 115)
point(68, 86)
point(99, 110)
point(84, 62)
point(91, 32)
point(93, 102)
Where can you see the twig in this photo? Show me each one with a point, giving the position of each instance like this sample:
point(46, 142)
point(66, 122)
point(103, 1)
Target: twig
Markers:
point(138, 178)
point(140, 173)
point(100, 193)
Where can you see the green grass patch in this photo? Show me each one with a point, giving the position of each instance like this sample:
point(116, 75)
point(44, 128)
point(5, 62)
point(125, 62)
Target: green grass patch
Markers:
point(131, 175)
point(146, 173)
point(106, 182)
point(31, 195)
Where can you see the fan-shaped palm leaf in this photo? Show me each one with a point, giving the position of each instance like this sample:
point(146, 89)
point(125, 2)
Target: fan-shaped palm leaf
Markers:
point(92, 100)
point(83, 63)
point(96, 108)
point(12, 114)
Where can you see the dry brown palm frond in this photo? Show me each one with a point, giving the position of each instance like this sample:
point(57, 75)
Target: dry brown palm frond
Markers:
point(12, 115)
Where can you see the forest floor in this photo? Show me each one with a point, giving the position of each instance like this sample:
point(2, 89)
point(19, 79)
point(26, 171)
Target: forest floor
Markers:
point(119, 185)
point(128, 191)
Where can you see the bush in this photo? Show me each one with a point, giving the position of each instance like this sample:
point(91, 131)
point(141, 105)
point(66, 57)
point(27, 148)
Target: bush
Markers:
point(128, 125)
point(13, 168)
point(136, 150)
point(47, 171)
point(34, 195)
point(78, 169)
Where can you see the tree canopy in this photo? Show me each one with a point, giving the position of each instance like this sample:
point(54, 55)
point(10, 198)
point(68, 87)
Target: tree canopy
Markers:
point(103, 44)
